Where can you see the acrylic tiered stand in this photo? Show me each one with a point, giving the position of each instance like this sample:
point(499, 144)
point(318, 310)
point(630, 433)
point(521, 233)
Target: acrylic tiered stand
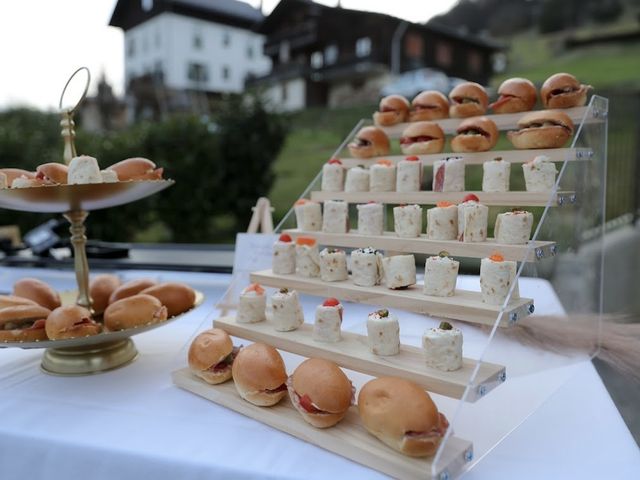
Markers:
point(108, 350)
point(564, 218)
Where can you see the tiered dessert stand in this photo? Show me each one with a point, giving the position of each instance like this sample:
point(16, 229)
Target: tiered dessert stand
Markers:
point(575, 205)
point(105, 351)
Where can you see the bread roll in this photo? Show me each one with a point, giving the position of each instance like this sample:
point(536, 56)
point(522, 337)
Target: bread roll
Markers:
point(135, 311)
point(177, 297)
point(38, 291)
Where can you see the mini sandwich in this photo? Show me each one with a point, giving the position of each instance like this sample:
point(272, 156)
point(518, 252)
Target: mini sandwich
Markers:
point(321, 392)
point(133, 312)
point(84, 169)
point(402, 415)
point(429, 105)
point(24, 182)
point(136, 169)
point(211, 356)
point(130, 288)
point(478, 134)
point(13, 301)
point(23, 323)
point(468, 100)
point(393, 109)
point(422, 138)
point(543, 129)
point(100, 289)
point(259, 375)
point(516, 95)
point(13, 173)
point(177, 297)
point(71, 322)
point(370, 142)
point(53, 173)
point(563, 90)
point(38, 291)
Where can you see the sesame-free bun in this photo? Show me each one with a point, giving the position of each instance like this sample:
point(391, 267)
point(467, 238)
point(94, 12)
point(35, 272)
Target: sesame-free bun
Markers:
point(370, 142)
point(393, 109)
point(53, 172)
point(177, 297)
point(13, 301)
point(134, 311)
point(422, 138)
point(429, 105)
point(468, 99)
point(402, 415)
point(259, 373)
point(100, 289)
point(71, 321)
point(23, 323)
point(483, 139)
point(563, 90)
point(130, 288)
point(136, 169)
point(543, 129)
point(38, 291)
point(515, 95)
point(13, 173)
point(207, 350)
point(328, 388)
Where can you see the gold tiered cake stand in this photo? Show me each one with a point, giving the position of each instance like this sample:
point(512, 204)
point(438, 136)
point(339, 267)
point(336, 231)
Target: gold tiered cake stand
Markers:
point(108, 350)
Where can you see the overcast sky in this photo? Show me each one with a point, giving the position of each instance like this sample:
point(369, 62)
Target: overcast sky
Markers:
point(44, 41)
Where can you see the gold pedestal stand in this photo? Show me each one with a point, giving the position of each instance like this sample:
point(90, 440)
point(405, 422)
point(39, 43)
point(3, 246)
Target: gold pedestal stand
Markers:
point(89, 359)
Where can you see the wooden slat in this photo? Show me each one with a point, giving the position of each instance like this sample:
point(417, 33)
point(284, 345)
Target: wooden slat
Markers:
point(428, 197)
point(390, 241)
point(513, 156)
point(348, 438)
point(505, 121)
point(464, 305)
point(352, 352)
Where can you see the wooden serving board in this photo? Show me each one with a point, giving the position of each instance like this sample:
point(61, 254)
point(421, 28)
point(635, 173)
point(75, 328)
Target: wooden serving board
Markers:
point(478, 158)
point(428, 197)
point(504, 121)
point(464, 305)
point(390, 241)
point(353, 352)
point(348, 438)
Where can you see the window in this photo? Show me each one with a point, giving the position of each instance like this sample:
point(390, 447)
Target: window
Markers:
point(475, 61)
point(147, 5)
point(414, 45)
point(131, 47)
point(197, 41)
point(284, 52)
point(444, 54)
point(145, 44)
point(226, 73)
point(158, 71)
point(331, 54)
point(363, 47)
point(284, 91)
point(317, 60)
point(197, 72)
point(249, 51)
point(226, 39)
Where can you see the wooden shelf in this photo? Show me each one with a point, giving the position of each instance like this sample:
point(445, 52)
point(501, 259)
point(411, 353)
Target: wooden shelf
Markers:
point(505, 121)
point(513, 156)
point(464, 305)
point(390, 241)
point(348, 438)
point(428, 197)
point(352, 352)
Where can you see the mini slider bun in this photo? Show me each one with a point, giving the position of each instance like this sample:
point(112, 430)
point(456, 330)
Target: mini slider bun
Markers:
point(515, 95)
point(71, 321)
point(422, 138)
point(402, 415)
point(211, 355)
point(177, 297)
point(468, 99)
point(13, 173)
point(320, 391)
point(393, 109)
point(135, 311)
point(543, 129)
point(100, 289)
point(38, 291)
point(477, 134)
point(370, 142)
point(429, 105)
point(130, 288)
point(23, 323)
point(13, 301)
point(260, 375)
point(563, 90)
point(55, 173)
point(136, 169)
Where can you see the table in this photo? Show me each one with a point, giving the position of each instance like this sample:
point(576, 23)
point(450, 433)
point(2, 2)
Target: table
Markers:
point(133, 423)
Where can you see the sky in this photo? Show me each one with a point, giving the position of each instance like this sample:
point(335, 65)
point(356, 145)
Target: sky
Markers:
point(45, 41)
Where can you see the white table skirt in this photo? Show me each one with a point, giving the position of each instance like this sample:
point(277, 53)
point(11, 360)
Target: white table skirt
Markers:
point(133, 423)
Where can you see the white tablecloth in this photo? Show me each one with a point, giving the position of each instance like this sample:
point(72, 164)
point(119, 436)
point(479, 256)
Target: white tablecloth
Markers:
point(133, 423)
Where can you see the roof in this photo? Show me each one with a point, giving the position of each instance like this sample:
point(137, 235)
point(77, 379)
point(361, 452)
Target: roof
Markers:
point(233, 8)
